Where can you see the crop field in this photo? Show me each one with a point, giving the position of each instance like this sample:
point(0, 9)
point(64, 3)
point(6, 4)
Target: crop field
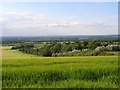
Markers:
point(20, 70)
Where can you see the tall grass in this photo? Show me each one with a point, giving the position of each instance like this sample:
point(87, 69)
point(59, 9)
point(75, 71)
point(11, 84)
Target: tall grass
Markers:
point(80, 72)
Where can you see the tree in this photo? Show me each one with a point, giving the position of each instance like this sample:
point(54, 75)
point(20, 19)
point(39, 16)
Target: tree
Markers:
point(47, 51)
point(63, 48)
point(81, 46)
point(85, 44)
point(68, 48)
point(92, 45)
point(56, 48)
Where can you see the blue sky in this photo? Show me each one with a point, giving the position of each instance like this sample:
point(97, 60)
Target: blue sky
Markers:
point(58, 18)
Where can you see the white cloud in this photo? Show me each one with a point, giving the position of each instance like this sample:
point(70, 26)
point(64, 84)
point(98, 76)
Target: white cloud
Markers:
point(34, 25)
point(23, 20)
point(64, 24)
point(22, 15)
point(75, 23)
point(17, 22)
point(100, 24)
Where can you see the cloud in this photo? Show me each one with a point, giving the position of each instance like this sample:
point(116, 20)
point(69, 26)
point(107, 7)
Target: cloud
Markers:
point(22, 22)
point(64, 24)
point(34, 25)
point(99, 24)
point(22, 15)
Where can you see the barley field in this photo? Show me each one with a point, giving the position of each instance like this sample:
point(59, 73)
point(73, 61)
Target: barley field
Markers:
point(20, 70)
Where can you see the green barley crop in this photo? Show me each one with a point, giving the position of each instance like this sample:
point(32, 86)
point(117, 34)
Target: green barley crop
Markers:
point(29, 71)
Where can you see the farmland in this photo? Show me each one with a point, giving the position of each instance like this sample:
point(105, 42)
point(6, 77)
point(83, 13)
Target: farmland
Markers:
point(20, 70)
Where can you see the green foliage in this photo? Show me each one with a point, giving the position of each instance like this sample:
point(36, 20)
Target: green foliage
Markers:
point(23, 45)
point(56, 48)
point(71, 48)
point(47, 50)
point(92, 45)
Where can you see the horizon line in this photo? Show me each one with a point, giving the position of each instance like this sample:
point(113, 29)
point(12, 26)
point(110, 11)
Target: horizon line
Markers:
point(63, 35)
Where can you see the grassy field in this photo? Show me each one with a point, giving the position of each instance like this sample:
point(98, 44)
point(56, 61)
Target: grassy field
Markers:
point(30, 71)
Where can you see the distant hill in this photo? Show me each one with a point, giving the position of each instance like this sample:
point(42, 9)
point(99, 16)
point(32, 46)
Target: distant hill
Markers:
point(60, 38)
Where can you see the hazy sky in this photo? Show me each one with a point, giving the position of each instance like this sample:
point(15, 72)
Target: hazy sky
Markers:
point(41, 19)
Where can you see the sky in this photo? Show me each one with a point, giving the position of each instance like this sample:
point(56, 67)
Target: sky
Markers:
point(58, 18)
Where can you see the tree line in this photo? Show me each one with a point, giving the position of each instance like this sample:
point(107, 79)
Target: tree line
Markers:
point(68, 48)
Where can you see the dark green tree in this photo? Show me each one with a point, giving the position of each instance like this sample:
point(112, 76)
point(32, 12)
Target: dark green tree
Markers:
point(56, 48)
point(47, 50)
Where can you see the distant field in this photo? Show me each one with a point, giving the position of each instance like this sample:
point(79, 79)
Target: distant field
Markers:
point(30, 71)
